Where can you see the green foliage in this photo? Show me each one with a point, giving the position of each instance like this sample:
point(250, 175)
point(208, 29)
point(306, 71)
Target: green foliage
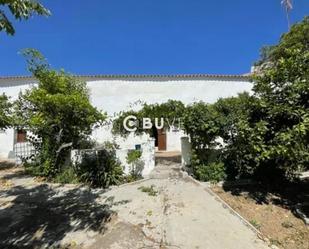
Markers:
point(202, 122)
point(137, 165)
point(133, 156)
point(5, 112)
point(100, 168)
point(264, 55)
point(67, 175)
point(213, 172)
point(171, 111)
point(20, 10)
point(242, 132)
point(33, 168)
point(149, 190)
point(57, 112)
point(232, 110)
point(118, 128)
point(283, 88)
point(255, 223)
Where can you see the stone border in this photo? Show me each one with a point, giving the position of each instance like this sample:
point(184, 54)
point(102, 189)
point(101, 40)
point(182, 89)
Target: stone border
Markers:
point(131, 183)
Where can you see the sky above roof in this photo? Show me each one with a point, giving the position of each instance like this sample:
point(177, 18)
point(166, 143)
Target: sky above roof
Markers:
point(149, 36)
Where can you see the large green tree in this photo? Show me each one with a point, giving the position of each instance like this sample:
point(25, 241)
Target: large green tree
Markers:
point(20, 10)
point(242, 129)
point(272, 135)
point(282, 84)
point(57, 112)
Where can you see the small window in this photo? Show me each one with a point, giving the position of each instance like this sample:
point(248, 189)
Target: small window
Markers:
point(138, 146)
point(21, 136)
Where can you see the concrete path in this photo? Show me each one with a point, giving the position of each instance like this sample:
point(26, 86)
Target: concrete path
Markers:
point(181, 215)
point(168, 210)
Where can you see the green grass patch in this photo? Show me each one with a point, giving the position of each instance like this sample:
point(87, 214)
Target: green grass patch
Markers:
point(66, 176)
point(149, 190)
point(255, 223)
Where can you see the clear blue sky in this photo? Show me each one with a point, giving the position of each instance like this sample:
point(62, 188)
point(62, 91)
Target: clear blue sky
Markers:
point(149, 36)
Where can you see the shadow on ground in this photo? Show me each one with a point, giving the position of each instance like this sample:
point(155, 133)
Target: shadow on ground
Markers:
point(42, 215)
point(7, 164)
point(284, 194)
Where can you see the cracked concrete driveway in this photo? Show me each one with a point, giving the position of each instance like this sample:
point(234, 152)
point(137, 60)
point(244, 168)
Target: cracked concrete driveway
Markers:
point(176, 213)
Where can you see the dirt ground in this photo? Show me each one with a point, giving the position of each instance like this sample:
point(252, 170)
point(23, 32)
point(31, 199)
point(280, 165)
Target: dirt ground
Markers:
point(270, 213)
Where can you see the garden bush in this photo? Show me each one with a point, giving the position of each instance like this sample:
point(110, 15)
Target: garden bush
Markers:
point(5, 112)
point(136, 165)
point(213, 172)
point(67, 175)
point(100, 168)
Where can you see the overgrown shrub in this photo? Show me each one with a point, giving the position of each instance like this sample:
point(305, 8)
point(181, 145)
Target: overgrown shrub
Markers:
point(136, 165)
point(242, 133)
point(151, 191)
point(100, 168)
point(213, 172)
point(5, 112)
point(33, 168)
point(201, 122)
point(67, 175)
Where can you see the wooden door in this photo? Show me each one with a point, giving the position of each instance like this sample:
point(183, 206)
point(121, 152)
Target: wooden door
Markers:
point(161, 139)
point(21, 136)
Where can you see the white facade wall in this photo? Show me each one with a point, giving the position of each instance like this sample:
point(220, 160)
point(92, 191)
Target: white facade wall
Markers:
point(112, 94)
point(173, 140)
point(116, 95)
point(148, 157)
point(6, 144)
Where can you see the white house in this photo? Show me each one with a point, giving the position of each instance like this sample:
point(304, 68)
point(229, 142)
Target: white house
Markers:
point(115, 93)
